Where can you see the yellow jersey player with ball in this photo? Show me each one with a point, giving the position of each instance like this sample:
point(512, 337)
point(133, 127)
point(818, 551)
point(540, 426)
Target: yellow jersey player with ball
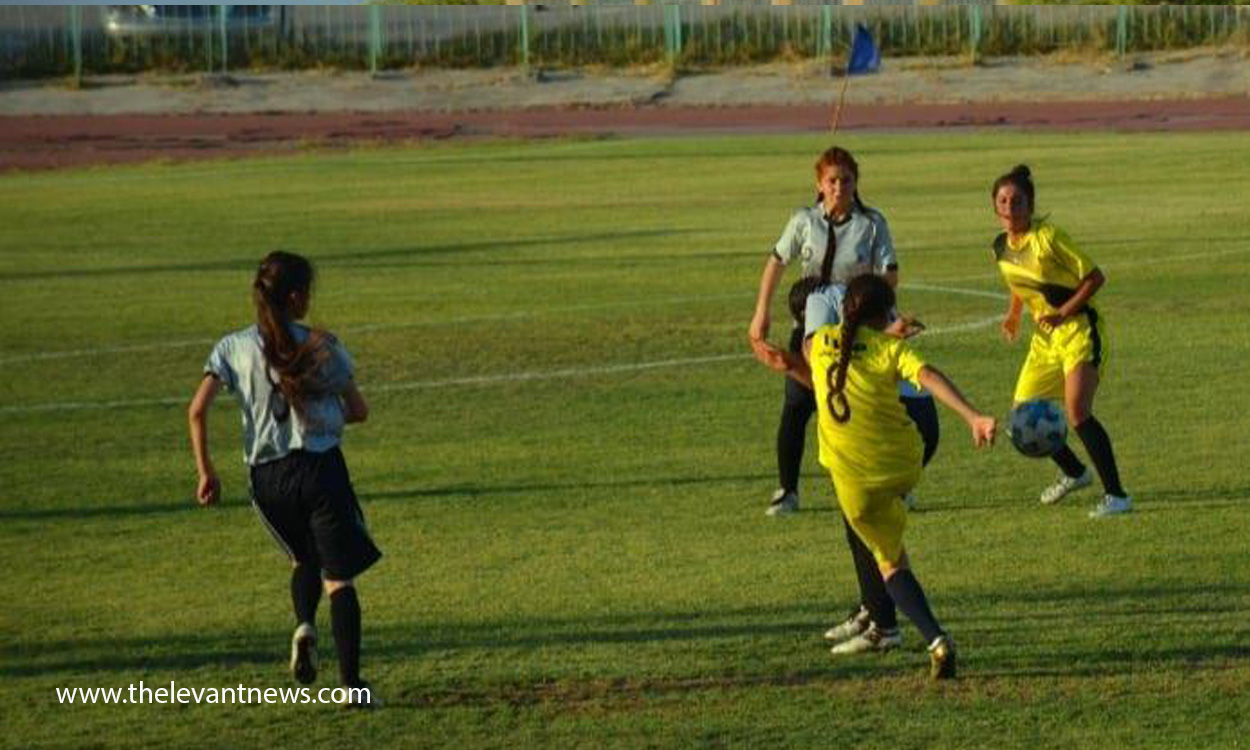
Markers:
point(1056, 280)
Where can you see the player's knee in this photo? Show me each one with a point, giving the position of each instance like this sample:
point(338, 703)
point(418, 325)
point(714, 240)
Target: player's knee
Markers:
point(332, 585)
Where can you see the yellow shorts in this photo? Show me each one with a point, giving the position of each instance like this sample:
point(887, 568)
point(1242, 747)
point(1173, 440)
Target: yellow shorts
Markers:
point(877, 514)
point(1055, 354)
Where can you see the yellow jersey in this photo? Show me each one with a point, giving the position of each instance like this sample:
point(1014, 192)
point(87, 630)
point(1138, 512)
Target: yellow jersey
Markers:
point(1044, 268)
point(878, 444)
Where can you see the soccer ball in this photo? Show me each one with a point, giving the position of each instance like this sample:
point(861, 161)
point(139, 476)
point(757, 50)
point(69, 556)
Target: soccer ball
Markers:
point(1038, 428)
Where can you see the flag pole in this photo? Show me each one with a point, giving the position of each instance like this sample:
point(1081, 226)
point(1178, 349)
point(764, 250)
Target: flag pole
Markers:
point(846, 83)
point(837, 112)
point(863, 57)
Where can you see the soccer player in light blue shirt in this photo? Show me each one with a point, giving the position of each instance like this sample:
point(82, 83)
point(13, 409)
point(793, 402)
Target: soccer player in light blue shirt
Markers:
point(295, 389)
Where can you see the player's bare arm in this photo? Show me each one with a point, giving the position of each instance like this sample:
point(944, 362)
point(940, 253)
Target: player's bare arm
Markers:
point(769, 279)
point(208, 488)
point(1088, 287)
point(355, 408)
point(983, 427)
point(1011, 321)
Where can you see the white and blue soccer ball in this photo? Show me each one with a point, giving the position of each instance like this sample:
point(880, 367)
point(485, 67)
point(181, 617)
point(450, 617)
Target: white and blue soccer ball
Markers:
point(1038, 428)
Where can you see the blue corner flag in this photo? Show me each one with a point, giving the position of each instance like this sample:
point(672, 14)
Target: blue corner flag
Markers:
point(865, 57)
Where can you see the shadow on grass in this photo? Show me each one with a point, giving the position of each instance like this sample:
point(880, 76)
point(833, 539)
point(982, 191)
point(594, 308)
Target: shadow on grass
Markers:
point(769, 630)
point(443, 492)
point(1163, 501)
point(184, 652)
point(1156, 500)
point(453, 249)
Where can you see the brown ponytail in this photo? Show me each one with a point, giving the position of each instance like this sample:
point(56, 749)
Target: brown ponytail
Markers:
point(297, 365)
point(868, 297)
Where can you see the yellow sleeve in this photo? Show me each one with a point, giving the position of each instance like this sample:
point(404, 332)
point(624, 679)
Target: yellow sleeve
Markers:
point(909, 364)
point(1069, 256)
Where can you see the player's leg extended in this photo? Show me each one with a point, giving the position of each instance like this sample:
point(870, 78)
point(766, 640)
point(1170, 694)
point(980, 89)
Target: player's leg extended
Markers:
point(345, 621)
point(1083, 347)
point(877, 517)
point(1082, 384)
point(872, 592)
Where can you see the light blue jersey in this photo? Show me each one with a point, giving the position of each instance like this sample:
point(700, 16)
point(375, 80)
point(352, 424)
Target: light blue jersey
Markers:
point(864, 243)
point(271, 428)
point(824, 307)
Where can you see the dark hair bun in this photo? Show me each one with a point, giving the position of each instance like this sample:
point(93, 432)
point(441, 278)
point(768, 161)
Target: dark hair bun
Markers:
point(1022, 170)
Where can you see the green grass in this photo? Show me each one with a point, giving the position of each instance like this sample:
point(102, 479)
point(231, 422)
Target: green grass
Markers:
point(583, 560)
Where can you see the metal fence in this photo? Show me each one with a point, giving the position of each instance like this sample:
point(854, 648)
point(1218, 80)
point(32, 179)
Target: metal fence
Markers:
point(61, 40)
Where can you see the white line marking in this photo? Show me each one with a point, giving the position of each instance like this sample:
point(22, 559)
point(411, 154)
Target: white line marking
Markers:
point(371, 327)
point(576, 372)
point(956, 290)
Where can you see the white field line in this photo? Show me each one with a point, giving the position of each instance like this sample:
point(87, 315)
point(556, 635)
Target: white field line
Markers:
point(521, 314)
point(370, 327)
point(373, 327)
point(575, 372)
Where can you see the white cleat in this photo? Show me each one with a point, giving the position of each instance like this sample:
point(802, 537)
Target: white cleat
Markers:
point(909, 501)
point(304, 654)
point(872, 640)
point(1112, 505)
point(856, 623)
point(1066, 485)
point(783, 503)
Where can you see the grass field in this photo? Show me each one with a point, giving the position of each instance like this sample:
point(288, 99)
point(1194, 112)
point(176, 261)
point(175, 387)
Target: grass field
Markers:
point(569, 453)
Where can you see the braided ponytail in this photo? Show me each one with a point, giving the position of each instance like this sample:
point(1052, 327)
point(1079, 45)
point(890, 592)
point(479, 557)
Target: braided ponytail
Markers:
point(297, 365)
point(868, 297)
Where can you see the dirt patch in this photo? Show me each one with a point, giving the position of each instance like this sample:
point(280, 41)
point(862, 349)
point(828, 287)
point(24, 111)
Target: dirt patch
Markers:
point(134, 119)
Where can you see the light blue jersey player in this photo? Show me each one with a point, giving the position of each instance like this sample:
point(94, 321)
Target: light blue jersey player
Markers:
point(295, 388)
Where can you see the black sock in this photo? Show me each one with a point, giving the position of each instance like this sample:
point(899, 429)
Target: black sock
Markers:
point(345, 618)
point(792, 434)
point(1069, 464)
point(872, 591)
point(1098, 445)
point(306, 592)
point(907, 594)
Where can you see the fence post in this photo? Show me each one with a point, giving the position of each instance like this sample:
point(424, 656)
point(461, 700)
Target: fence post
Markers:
point(672, 32)
point(826, 32)
point(375, 37)
point(221, 26)
point(677, 30)
point(75, 32)
point(974, 32)
point(524, 41)
point(1121, 31)
point(208, 48)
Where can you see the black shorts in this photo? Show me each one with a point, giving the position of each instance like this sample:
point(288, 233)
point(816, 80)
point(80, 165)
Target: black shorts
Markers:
point(307, 502)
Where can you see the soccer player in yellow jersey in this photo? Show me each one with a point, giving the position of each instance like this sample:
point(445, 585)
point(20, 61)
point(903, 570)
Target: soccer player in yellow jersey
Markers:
point(1047, 272)
point(871, 447)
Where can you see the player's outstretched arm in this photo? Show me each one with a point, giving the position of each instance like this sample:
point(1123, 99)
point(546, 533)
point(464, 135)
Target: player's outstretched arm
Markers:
point(769, 280)
point(983, 427)
point(208, 489)
point(779, 360)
